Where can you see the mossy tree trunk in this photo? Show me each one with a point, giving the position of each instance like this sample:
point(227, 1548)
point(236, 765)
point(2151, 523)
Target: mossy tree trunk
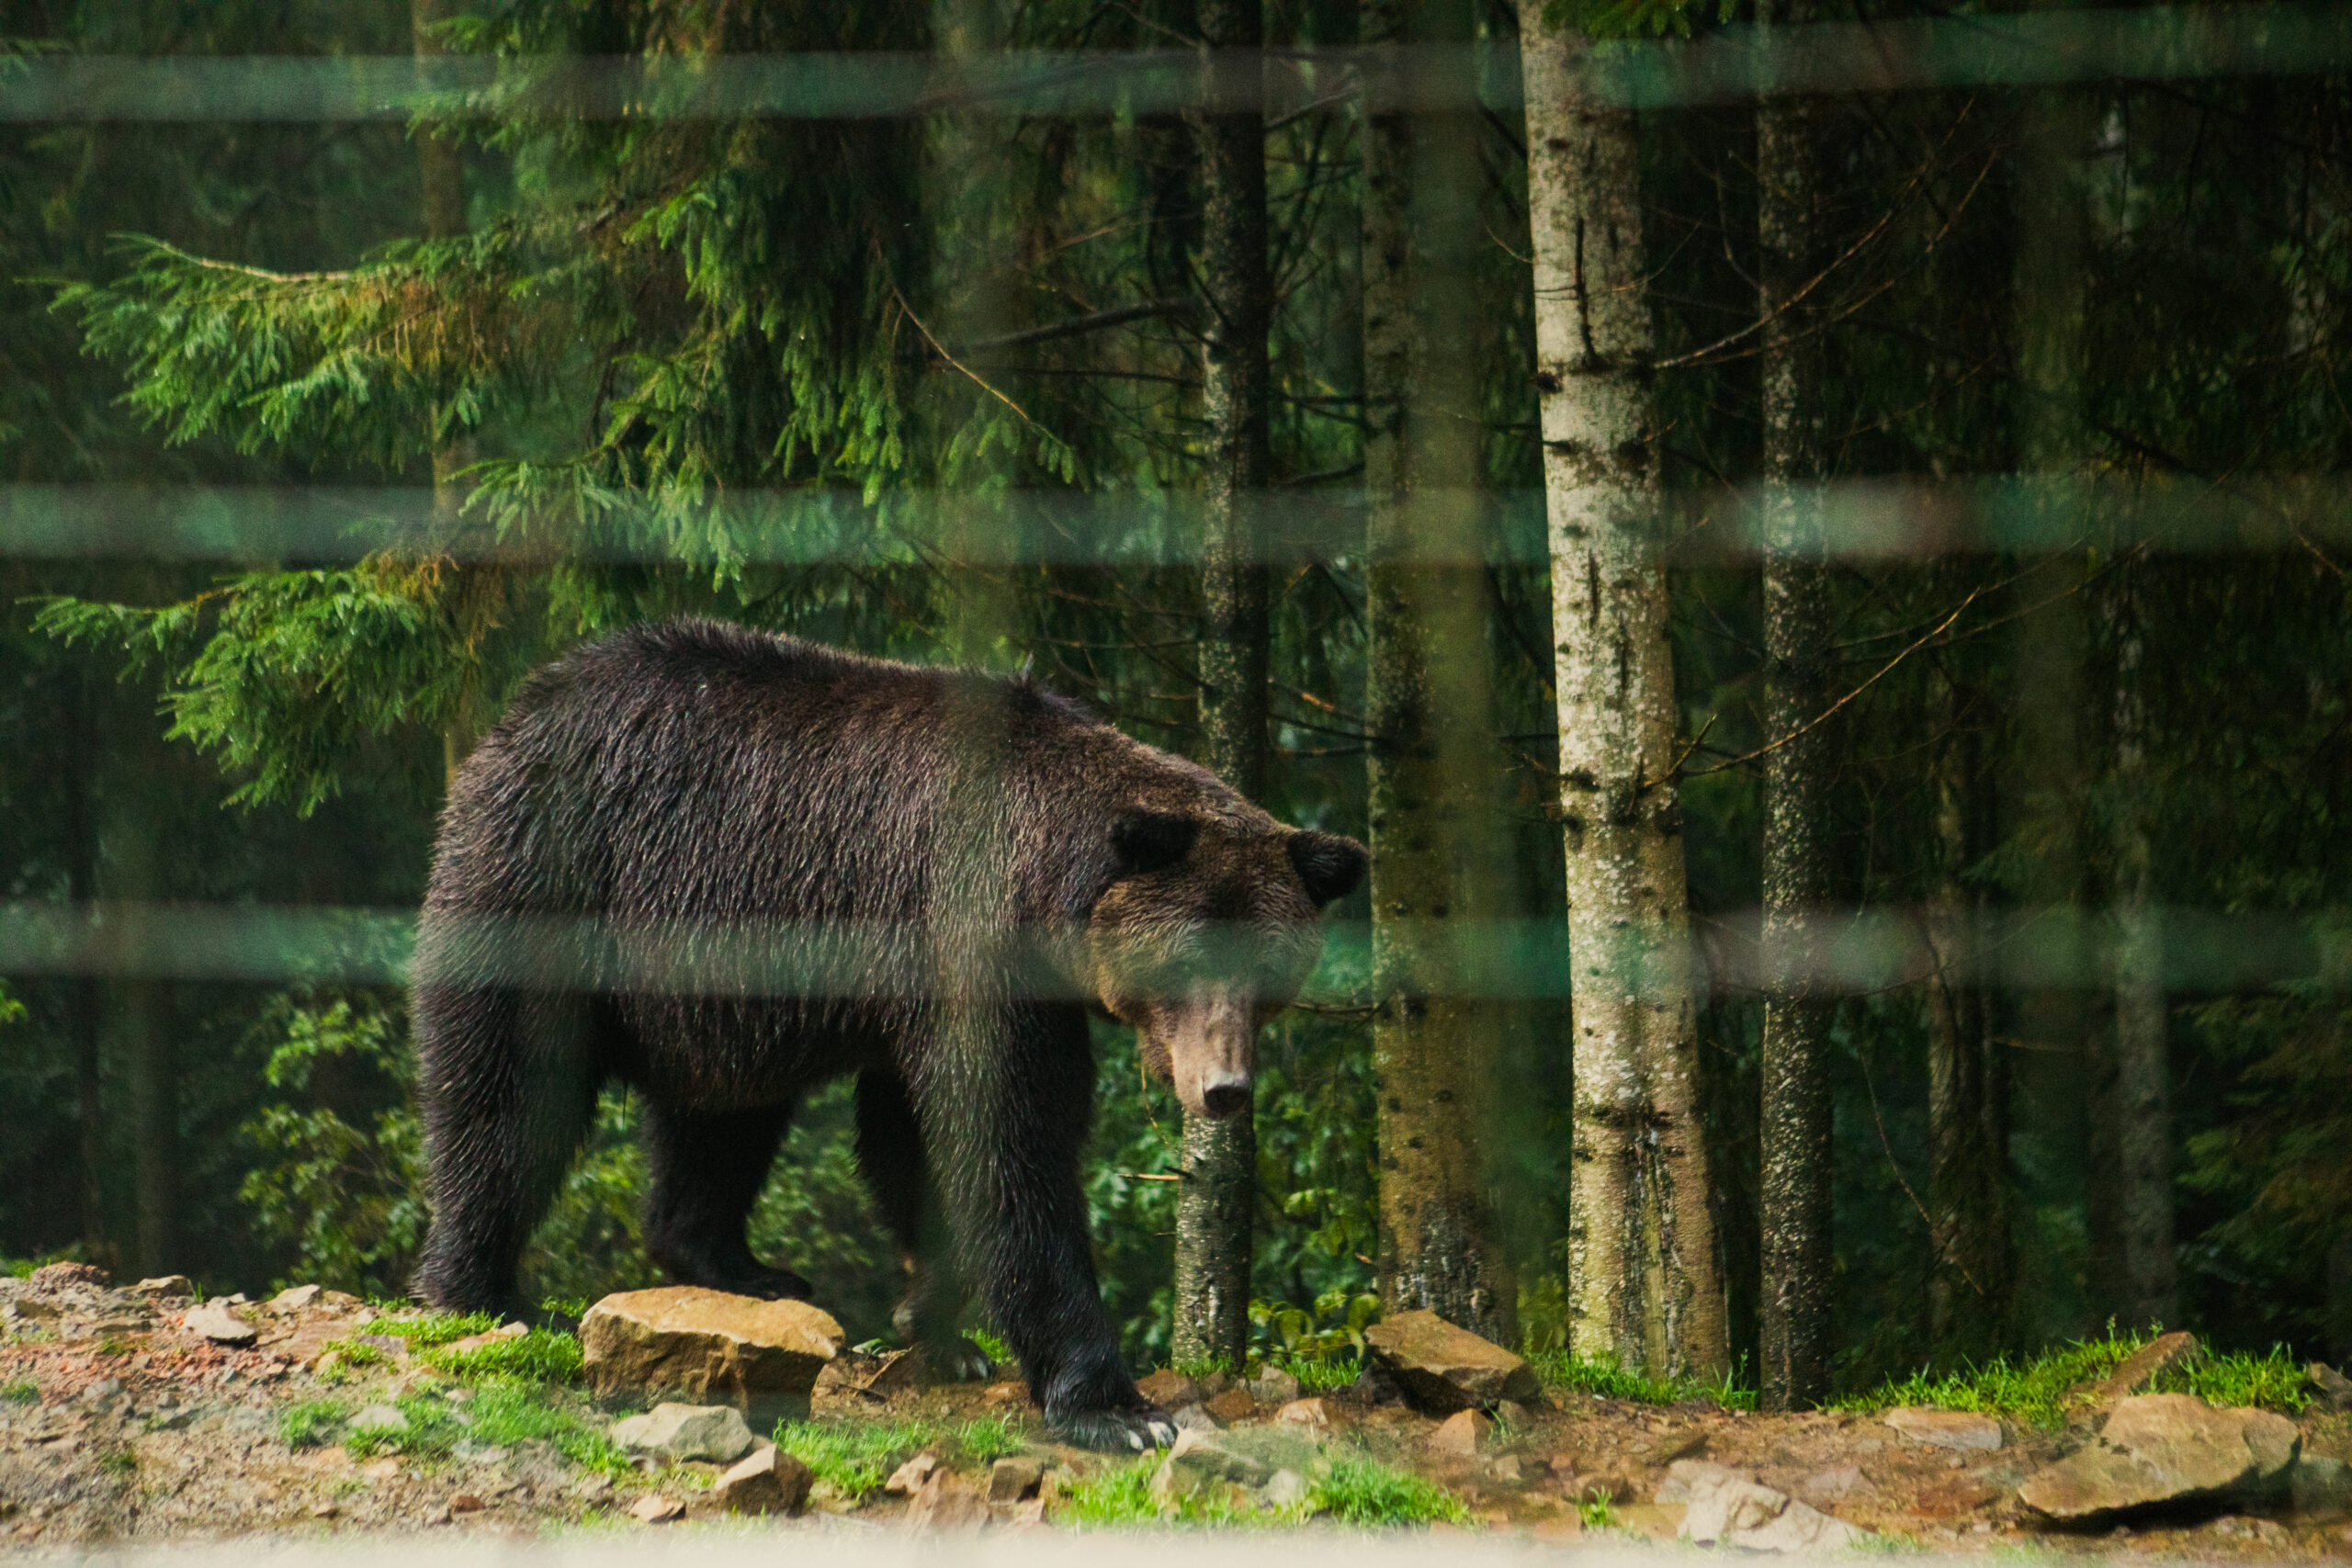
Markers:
point(1794, 1304)
point(1432, 765)
point(1645, 1285)
point(1215, 1203)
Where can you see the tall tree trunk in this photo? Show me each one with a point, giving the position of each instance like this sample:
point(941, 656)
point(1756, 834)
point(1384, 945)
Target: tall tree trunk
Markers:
point(1216, 1202)
point(1646, 1287)
point(2071, 1068)
point(1432, 768)
point(2147, 1291)
point(142, 1011)
point(1967, 1084)
point(1793, 1305)
point(85, 1006)
point(472, 586)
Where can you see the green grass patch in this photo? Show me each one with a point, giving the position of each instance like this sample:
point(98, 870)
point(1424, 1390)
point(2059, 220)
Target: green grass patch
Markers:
point(854, 1457)
point(1364, 1491)
point(311, 1423)
point(1318, 1374)
point(540, 1356)
point(351, 1353)
point(2039, 1391)
point(24, 1390)
point(1565, 1374)
point(1115, 1496)
point(118, 1461)
point(502, 1413)
point(427, 1330)
point(1118, 1496)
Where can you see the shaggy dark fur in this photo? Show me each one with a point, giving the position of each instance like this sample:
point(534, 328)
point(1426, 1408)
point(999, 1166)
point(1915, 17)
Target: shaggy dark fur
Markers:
point(724, 868)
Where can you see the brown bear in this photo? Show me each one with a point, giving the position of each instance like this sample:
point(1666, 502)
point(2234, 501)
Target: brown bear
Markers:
point(724, 867)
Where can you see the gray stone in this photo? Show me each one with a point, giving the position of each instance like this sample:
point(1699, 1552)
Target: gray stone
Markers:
point(1443, 1369)
point(1285, 1489)
point(2161, 1449)
point(2320, 1486)
point(1728, 1509)
point(294, 1298)
point(946, 1501)
point(377, 1418)
point(1014, 1477)
point(1962, 1429)
point(166, 1285)
point(1246, 1458)
point(2334, 1389)
point(766, 1481)
point(908, 1479)
point(1685, 1473)
point(714, 1433)
point(1274, 1386)
point(214, 1321)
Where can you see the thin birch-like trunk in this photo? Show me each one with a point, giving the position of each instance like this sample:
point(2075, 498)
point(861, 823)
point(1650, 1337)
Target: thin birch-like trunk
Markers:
point(1794, 1304)
point(1431, 808)
point(1646, 1287)
point(1214, 1204)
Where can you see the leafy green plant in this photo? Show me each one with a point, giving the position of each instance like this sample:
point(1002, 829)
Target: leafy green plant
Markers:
point(1594, 1509)
point(1366, 1492)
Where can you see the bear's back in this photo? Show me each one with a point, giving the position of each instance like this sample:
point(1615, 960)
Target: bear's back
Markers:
point(695, 768)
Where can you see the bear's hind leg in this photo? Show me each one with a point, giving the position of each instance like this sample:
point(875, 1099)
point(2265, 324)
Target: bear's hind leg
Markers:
point(708, 1167)
point(891, 1155)
point(508, 1092)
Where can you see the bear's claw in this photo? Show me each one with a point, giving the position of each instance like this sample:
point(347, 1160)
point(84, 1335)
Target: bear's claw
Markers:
point(1115, 1431)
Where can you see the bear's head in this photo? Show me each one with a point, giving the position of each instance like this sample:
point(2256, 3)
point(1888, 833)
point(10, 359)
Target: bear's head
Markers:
point(1208, 930)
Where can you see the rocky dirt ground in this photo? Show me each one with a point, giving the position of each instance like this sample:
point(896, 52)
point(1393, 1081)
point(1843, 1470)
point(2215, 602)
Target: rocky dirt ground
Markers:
point(124, 1421)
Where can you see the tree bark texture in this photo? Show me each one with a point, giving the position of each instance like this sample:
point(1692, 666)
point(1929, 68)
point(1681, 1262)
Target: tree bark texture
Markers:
point(472, 586)
point(1795, 1208)
point(85, 1006)
point(1215, 1206)
point(2069, 1061)
point(1433, 768)
point(1645, 1286)
point(2147, 1289)
point(1968, 1288)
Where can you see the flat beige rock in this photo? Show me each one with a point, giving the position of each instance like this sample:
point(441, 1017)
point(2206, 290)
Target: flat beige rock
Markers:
point(2167, 1447)
point(705, 1343)
point(1444, 1369)
point(1962, 1429)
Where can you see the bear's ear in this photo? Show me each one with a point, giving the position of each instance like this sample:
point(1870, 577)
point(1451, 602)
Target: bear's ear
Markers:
point(1146, 841)
point(1331, 866)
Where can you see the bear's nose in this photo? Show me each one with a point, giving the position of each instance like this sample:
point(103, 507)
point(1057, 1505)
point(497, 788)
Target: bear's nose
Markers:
point(1227, 1094)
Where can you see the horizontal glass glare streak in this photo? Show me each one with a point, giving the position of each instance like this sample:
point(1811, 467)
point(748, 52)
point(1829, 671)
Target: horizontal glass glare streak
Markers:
point(1863, 519)
point(1841, 952)
point(2157, 43)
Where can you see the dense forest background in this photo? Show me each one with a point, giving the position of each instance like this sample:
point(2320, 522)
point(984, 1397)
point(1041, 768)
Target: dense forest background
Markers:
point(318, 436)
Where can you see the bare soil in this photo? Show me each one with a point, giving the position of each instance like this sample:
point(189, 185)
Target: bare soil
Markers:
point(119, 1425)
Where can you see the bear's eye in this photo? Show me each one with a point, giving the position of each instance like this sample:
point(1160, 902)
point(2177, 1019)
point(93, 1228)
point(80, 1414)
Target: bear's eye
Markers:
point(1146, 841)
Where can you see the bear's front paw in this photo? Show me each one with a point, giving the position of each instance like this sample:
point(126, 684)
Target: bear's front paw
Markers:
point(958, 1360)
point(1137, 1429)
